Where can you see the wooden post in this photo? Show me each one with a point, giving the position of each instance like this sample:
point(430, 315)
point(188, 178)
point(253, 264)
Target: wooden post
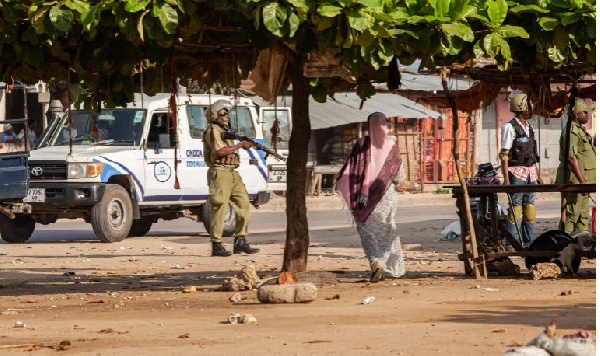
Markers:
point(407, 152)
point(478, 261)
point(464, 235)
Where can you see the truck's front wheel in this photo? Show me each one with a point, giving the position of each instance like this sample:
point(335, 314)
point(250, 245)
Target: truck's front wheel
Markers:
point(112, 217)
point(229, 225)
point(18, 229)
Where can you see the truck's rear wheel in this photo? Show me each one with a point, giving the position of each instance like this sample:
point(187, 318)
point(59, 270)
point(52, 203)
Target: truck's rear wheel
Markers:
point(140, 227)
point(228, 228)
point(18, 229)
point(112, 217)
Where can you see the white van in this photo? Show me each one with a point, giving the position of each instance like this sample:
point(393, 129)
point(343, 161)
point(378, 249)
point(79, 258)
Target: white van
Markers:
point(132, 171)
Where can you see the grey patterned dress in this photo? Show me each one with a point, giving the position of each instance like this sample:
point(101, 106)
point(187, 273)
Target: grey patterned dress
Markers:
point(379, 235)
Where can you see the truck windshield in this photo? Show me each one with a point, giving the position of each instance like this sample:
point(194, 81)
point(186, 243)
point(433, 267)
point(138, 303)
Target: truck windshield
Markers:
point(276, 122)
point(116, 127)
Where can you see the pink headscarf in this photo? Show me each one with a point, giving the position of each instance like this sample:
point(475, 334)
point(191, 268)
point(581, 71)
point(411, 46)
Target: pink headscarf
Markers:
point(370, 168)
point(380, 148)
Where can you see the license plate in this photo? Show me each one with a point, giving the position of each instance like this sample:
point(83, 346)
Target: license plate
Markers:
point(35, 195)
point(277, 176)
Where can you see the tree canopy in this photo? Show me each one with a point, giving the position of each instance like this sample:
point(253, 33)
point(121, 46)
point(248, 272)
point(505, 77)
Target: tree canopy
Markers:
point(104, 41)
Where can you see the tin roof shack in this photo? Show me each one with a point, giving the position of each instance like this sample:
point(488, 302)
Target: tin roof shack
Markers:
point(548, 91)
point(339, 122)
point(436, 138)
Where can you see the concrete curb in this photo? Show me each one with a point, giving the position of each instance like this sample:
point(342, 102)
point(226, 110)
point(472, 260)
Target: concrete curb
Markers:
point(335, 202)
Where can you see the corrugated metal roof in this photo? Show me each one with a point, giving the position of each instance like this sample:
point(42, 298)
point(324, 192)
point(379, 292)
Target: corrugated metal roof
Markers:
point(345, 109)
point(423, 82)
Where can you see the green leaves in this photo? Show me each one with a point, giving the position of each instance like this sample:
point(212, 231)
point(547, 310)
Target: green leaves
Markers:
point(360, 21)
point(61, 19)
point(136, 5)
point(78, 5)
point(555, 55)
point(168, 19)
point(509, 31)
point(548, 23)
point(440, 7)
point(363, 34)
point(459, 30)
point(327, 10)
point(274, 16)
point(569, 19)
point(496, 11)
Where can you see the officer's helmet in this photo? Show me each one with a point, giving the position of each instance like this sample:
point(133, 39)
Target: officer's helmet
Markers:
point(219, 109)
point(518, 103)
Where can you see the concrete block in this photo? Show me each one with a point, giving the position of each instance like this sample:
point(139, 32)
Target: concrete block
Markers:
point(287, 293)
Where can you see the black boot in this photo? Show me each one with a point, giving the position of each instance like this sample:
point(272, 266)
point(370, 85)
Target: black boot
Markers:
point(240, 245)
point(219, 250)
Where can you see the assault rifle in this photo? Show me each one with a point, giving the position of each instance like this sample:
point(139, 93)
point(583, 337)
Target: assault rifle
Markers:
point(228, 135)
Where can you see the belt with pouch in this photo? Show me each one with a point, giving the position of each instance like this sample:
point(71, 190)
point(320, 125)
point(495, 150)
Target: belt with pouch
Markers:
point(228, 169)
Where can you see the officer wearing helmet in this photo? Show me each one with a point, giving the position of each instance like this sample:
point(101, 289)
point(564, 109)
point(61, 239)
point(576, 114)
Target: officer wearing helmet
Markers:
point(518, 155)
point(581, 166)
point(224, 182)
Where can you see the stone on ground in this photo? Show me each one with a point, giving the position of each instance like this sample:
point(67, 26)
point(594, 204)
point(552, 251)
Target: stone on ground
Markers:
point(287, 293)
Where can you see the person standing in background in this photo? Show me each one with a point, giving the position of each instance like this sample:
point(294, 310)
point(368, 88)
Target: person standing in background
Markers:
point(518, 156)
point(9, 136)
point(581, 167)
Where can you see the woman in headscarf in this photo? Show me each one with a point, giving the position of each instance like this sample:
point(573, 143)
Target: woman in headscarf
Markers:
point(367, 184)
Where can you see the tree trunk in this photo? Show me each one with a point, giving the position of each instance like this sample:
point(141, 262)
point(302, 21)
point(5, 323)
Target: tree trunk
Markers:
point(478, 261)
point(295, 254)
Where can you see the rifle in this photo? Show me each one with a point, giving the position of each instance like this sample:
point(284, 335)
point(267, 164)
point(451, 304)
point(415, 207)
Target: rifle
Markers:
point(228, 135)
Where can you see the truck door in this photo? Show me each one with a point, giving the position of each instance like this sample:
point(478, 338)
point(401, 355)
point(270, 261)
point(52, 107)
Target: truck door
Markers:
point(159, 161)
point(192, 177)
point(252, 162)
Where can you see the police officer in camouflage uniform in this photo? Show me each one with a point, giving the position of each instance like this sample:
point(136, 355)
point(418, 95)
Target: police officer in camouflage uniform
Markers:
point(224, 182)
point(581, 167)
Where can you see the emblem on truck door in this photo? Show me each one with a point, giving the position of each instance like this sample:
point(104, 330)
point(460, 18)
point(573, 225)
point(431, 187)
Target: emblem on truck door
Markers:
point(162, 171)
point(37, 171)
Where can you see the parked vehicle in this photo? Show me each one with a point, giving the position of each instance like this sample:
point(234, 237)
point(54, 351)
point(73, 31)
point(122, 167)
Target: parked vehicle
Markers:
point(15, 220)
point(135, 169)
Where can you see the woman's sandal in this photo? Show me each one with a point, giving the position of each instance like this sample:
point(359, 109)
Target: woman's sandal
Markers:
point(376, 275)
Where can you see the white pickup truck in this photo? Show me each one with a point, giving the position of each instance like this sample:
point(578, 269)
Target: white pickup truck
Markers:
point(135, 169)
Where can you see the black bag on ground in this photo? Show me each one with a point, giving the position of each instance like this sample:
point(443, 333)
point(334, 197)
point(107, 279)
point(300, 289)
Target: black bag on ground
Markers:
point(552, 240)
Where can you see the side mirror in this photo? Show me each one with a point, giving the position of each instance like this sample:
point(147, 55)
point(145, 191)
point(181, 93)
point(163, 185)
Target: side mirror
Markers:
point(157, 148)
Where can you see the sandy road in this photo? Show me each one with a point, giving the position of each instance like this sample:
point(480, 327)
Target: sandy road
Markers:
point(126, 298)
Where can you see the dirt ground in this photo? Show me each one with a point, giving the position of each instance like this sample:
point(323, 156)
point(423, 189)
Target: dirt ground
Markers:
point(89, 298)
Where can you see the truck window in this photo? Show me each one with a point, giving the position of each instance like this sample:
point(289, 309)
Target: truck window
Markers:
point(116, 127)
point(283, 125)
point(161, 131)
point(240, 121)
point(197, 120)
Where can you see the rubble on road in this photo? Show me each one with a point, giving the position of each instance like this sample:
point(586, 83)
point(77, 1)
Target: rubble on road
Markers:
point(247, 279)
point(189, 289)
point(547, 270)
point(241, 319)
